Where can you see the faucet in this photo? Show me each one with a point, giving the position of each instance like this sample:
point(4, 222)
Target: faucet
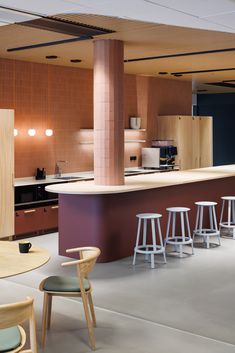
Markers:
point(58, 169)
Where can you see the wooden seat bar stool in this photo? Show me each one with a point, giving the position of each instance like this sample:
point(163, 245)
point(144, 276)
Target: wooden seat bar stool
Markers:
point(66, 286)
point(229, 223)
point(185, 237)
point(141, 247)
point(201, 231)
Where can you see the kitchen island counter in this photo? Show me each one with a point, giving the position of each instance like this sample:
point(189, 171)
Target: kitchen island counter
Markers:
point(146, 181)
point(105, 216)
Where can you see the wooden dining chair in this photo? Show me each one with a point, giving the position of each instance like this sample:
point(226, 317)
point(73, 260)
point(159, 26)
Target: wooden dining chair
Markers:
point(12, 335)
point(78, 286)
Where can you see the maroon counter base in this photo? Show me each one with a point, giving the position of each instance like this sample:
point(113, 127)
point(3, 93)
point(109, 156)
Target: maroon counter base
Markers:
point(109, 221)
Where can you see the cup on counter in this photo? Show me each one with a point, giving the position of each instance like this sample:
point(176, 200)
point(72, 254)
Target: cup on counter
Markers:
point(24, 246)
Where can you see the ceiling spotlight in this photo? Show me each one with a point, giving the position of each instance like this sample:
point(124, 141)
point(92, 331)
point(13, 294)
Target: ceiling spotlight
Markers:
point(75, 60)
point(48, 132)
point(31, 132)
point(15, 132)
point(51, 57)
point(163, 73)
point(177, 75)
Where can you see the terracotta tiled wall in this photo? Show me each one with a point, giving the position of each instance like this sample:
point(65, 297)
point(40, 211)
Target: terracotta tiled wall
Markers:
point(61, 98)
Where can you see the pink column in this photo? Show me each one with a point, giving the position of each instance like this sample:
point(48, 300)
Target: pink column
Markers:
point(108, 112)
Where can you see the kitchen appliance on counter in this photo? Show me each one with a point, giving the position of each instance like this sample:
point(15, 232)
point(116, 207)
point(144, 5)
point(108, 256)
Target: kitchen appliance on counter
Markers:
point(161, 157)
point(150, 157)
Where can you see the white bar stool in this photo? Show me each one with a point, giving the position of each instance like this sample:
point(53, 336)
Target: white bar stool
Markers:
point(149, 249)
point(178, 240)
point(230, 222)
point(206, 233)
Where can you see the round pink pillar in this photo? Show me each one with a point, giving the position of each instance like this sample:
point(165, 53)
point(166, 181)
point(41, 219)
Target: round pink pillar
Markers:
point(108, 112)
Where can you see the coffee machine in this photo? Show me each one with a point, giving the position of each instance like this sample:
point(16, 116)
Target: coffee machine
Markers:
point(168, 152)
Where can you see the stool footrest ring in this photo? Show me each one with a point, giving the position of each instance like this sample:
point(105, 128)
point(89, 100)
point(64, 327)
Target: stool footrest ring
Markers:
point(141, 249)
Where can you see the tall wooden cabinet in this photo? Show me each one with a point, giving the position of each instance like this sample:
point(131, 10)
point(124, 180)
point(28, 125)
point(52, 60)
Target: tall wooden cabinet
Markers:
point(193, 137)
point(6, 173)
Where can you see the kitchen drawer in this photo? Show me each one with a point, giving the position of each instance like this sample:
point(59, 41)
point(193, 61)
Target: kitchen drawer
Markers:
point(29, 220)
point(50, 217)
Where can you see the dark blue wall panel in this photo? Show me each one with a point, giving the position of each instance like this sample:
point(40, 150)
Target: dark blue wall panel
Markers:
point(222, 108)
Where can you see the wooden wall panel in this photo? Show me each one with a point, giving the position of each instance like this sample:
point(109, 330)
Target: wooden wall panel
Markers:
point(6, 173)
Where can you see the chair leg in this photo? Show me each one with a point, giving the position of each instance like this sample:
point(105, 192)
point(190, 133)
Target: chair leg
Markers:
point(44, 318)
point(49, 311)
point(89, 323)
point(92, 310)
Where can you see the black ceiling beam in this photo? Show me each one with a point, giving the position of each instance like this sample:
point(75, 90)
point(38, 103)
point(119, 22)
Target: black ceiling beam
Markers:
point(21, 11)
point(48, 44)
point(181, 55)
point(201, 71)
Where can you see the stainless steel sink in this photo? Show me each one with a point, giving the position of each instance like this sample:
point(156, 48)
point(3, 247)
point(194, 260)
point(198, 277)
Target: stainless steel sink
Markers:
point(68, 178)
point(131, 172)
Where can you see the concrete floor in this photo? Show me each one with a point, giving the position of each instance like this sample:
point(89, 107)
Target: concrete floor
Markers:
point(186, 305)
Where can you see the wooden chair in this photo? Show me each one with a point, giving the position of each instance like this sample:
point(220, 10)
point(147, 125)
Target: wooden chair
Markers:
point(12, 335)
point(78, 286)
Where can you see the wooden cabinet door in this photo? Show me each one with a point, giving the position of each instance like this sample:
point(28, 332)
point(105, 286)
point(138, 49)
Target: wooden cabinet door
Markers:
point(195, 142)
point(185, 149)
point(206, 141)
point(6, 173)
point(29, 221)
point(50, 217)
point(168, 129)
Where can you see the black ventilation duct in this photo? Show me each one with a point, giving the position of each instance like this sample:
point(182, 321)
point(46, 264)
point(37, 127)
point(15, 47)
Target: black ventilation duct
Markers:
point(65, 27)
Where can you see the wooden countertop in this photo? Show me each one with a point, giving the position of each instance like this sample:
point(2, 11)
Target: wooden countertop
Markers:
point(144, 182)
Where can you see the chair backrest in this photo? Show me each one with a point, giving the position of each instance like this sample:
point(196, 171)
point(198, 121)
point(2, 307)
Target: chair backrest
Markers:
point(16, 313)
point(88, 257)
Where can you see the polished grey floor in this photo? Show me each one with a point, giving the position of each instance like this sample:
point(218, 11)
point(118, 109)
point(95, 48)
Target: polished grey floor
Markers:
point(186, 305)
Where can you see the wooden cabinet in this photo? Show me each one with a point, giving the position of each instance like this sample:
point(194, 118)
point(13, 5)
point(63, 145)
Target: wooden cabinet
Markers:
point(50, 217)
point(36, 220)
point(29, 220)
point(6, 173)
point(193, 137)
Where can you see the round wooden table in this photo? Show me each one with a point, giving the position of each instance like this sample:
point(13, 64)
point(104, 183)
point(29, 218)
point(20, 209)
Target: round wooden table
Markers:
point(12, 262)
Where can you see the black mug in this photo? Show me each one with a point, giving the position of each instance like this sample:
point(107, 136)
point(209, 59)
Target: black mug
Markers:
point(25, 246)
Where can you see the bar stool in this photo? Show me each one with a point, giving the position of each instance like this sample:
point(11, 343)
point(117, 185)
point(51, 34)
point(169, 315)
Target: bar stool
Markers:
point(149, 249)
point(230, 222)
point(178, 240)
point(206, 233)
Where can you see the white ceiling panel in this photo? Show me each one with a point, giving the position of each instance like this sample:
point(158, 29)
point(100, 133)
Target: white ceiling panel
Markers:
point(201, 14)
point(225, 20)
point(9, 16)
point(198, 8)
point(185, 13)
point(43, 7)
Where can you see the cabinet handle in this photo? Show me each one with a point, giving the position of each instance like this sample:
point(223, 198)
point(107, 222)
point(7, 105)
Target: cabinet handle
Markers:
point(29, 211)
point(54, 207)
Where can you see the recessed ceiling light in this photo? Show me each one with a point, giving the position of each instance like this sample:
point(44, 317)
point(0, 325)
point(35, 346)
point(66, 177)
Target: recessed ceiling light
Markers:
point(51, 57)
point(163, 73)
point(178, 75)
point(75, 60)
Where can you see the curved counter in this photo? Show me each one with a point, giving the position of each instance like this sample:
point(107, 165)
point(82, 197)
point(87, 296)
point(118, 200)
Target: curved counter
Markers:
point(105, 216)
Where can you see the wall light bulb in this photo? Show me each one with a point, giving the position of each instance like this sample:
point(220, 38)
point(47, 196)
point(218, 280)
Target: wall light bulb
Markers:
point(15, 132)
point(49, 132)
point(31, 132)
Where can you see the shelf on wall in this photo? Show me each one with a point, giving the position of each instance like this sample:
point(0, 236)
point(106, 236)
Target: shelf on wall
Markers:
point(136, 130)
point(126, 141)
